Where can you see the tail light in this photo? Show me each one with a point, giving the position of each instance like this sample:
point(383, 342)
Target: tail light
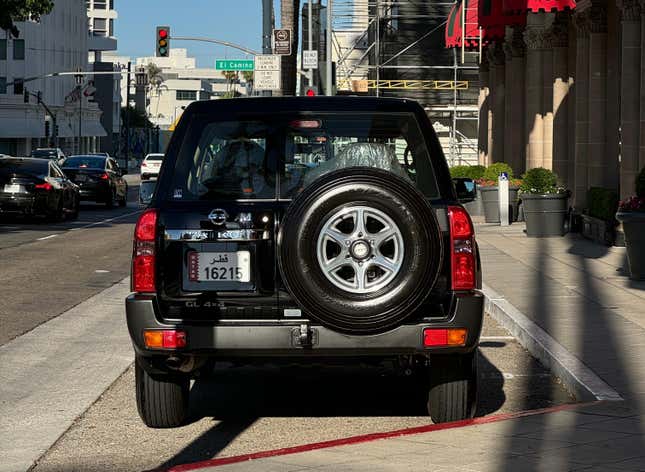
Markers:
point(104, 177)
point(143, 254)
point(46, 186)
point(462, 249)
point(143, 164)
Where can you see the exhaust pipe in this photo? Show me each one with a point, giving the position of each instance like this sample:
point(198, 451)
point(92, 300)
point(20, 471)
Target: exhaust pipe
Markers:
point(181, 363)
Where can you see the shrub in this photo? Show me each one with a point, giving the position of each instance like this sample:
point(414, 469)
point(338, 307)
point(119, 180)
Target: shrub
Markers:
point(540, 181)
point(640, 184)
point(468, 172)
point(492, 171)
point(603, 203)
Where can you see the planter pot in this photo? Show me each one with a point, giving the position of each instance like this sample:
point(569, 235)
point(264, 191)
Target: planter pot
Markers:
point(634, 228)
point(476, 207)
point(598, 230)
point(545, 215)
point(490, 202)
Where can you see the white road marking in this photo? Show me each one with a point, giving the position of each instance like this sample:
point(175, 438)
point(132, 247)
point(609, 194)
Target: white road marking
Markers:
point(47, 237)
point(92, 224)
point(101, 271)
point(496, 338)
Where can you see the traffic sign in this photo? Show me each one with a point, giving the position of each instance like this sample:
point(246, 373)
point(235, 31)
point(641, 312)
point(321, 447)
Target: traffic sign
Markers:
point(282, 42)
point(266, 80)
point(267, 62)
point(310, 59)
point(228, 64)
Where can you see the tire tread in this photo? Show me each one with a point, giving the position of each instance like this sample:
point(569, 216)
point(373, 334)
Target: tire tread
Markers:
point(162, 403)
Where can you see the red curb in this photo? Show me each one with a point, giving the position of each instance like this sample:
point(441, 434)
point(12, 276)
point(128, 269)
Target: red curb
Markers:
point(373, 437)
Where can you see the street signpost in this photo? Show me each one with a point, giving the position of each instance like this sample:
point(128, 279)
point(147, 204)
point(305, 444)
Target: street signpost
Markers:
point(503, 199)
point(266, 75)
point(282, 42)
point(236, 65)
point(310, 59)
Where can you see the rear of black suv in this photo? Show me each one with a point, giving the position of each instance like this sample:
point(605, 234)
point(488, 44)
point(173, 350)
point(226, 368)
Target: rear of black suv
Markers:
point(304, 229)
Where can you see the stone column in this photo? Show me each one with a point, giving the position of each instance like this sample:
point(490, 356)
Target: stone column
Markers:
point(630, 92)
point(483, 104)
point(547, 99)
point(514, 115)
point(581, 21)
point(496, 60)
point(561, 84)
point(535, 37)
point(598, 160)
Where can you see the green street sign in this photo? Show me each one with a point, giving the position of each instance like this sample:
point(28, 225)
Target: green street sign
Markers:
point(228, 64)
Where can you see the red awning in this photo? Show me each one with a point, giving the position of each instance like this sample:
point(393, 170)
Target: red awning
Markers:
point(493, 19)
point(454, 33)
point(537, 5)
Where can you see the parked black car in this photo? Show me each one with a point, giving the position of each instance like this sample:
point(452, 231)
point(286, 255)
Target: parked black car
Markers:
point(100, 179)
point(33, 186)
point(305, 229)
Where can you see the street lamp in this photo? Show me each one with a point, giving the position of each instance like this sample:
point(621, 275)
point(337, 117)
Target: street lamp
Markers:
point(79, 78)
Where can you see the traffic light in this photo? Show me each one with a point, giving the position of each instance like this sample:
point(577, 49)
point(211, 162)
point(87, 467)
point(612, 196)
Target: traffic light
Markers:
point(25, 95)
point(311, 91)
point(163, 41)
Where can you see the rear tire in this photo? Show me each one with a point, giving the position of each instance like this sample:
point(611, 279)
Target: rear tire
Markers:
point(162, 401)
point(453, 389)
point(58, 214)
point(124, 201)
point(110, 200)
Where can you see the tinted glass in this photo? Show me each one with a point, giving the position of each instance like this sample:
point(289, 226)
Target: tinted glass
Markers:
point(46, 153)
point(90, 162)
point(24, 167)
point(278, 155)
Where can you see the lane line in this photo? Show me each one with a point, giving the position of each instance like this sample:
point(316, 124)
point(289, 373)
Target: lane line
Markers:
point(497, 338)
point(48, 237)
point(374, 437)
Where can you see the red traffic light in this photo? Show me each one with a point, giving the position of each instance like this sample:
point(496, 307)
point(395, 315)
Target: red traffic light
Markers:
point(163, 34)
point(310, 92)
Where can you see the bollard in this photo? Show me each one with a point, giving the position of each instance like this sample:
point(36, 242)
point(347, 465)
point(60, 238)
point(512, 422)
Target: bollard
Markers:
point(502, 185)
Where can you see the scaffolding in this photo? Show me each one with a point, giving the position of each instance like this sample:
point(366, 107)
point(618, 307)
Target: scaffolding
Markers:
point(396, 48)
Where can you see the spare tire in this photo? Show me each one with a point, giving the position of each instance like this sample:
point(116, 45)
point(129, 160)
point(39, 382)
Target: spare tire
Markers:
point(359, 250)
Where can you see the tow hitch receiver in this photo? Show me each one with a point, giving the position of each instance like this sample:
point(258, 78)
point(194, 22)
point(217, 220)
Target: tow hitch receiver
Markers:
point(304, 336)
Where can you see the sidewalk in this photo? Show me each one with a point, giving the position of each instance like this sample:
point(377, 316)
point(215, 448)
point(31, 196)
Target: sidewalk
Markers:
point(579, 293)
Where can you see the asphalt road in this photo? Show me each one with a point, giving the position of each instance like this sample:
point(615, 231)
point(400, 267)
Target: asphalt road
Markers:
point(48, 268)
point(244, 410)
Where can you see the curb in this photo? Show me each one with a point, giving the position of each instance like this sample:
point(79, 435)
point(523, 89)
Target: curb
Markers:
point(577, 377)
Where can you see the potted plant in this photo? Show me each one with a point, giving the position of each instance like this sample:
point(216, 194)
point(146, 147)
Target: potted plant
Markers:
point(599, 220)
point(631, 213)
point(545, 203)
point(476, 172)
point(489, 191)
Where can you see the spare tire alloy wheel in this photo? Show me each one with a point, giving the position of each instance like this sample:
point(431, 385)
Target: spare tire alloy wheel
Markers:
point(359, 250)
point(361, 261)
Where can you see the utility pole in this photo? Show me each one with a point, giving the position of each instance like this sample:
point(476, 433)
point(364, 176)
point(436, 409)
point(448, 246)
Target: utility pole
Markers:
point(127, 118)
point(79, 82)
point(267, 29)
point(328, 84)
point(310, 38)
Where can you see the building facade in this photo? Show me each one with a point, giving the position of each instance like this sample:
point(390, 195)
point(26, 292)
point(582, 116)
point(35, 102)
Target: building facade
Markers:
point(563, 87)
point(58, 43)
point(102, 42)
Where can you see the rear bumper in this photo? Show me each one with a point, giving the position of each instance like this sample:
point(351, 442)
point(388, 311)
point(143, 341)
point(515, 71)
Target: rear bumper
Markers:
point(95, 193)
point(17, 203)
point(278, 339)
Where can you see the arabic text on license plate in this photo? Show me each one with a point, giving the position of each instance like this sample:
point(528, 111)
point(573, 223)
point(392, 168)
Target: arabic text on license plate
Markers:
point(219, 266)
point(13, 188)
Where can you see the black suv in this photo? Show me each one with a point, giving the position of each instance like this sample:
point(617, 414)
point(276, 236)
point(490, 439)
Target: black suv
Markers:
point(305, 229)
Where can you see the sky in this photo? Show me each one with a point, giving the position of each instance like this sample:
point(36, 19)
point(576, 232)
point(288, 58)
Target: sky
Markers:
point(236, 21)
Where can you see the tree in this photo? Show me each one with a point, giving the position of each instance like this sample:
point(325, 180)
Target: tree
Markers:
point(231, 77)
point(289, 19)
point(248, 78)
point(156, 81)
point(21, 10)
point(135, 118)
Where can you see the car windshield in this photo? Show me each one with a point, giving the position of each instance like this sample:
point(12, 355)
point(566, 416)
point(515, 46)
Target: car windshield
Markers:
point(277, 156)
point(44, 153)
point(23, 167)
point(82, 162)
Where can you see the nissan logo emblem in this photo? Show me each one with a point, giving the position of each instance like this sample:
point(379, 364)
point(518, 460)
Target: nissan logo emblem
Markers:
point(218, 216)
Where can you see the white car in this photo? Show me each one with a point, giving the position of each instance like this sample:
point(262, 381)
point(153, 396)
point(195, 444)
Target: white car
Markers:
point(150, 166)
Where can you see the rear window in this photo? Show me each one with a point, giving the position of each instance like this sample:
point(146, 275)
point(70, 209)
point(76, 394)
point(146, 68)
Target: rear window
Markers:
point(267, 157)
point(44, 153)
point(154, 157)
point(24, 167)
point(90, 162)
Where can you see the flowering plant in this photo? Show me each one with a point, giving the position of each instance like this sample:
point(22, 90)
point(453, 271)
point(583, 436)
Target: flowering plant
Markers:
point(493, 183)
point(633, 203)
point(541, 181)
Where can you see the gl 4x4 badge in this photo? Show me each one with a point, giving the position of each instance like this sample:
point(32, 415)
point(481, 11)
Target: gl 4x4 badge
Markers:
point(218, 216)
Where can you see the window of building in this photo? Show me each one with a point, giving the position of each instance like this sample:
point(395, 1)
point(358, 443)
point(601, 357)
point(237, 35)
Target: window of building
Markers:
point(19, 49)
point(3, 49)
point(111, 32)
point(100, 26)
point(186, 95)
point(100, 4)
point(3, 85)
point(18, 86)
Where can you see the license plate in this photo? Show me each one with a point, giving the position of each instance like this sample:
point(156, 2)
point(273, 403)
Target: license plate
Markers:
point(219, 266)
point(81, 178)
point(13, 188)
